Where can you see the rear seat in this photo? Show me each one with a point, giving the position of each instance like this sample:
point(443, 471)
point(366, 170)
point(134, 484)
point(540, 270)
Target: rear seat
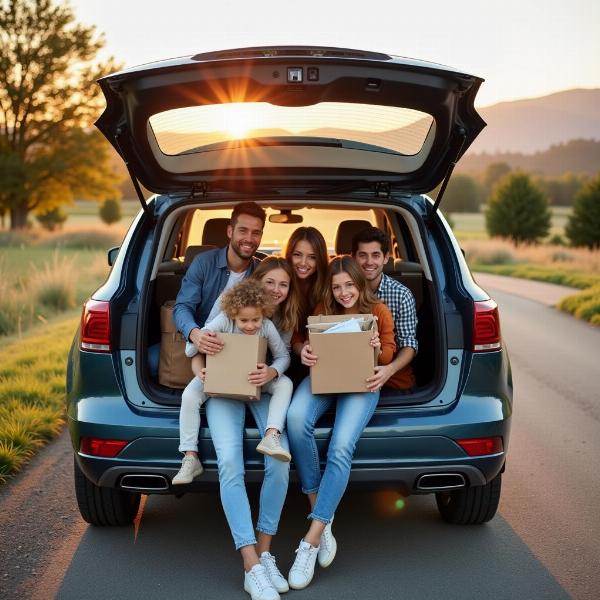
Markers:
point(170, 272)
point(409, 274)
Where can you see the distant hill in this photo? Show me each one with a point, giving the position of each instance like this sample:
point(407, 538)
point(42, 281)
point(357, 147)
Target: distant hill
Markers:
point(576, 156)
point(534, 124)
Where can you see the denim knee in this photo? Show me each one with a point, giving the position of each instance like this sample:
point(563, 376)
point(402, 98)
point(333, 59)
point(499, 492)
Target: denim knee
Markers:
point(231, 467)
point(278, 471)
point(340, 455)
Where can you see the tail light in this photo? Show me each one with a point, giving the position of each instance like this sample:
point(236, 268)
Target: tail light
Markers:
point(482, 446)
point(486, 327)
point(95, 326)
point(100, 447)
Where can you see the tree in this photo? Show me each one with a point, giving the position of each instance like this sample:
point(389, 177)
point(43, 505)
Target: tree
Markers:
point(461, 195)
point(52, 219)
point(110, 211)
point(493, 173)
point(583, 227)
point(48, 101)
point(561, 191)
point(518, 210)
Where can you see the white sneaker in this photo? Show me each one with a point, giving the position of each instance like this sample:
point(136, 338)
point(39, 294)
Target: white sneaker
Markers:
point(190, 467)
point(327, 546)
point(267, 560)
point(190, 349)
point(271, 445)
point(258, 584)
point(303, 569)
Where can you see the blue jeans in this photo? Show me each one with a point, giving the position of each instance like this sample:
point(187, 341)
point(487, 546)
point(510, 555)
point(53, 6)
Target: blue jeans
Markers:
point(352, 413)
point(226, 423)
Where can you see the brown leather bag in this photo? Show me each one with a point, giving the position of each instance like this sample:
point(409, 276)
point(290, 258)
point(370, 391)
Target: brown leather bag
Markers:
point(174, 368)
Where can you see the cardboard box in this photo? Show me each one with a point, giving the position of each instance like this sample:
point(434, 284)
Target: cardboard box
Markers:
point(174, 367)
point(345, 359)
point(227, 371)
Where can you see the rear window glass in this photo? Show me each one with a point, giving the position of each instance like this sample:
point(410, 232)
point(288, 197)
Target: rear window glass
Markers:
point(196, 128)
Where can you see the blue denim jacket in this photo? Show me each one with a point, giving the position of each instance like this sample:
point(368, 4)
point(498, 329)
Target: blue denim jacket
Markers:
point(202, 284)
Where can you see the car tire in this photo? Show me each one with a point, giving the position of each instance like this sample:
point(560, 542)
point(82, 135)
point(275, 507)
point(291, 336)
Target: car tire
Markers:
point(104, 506)
point(472, 505)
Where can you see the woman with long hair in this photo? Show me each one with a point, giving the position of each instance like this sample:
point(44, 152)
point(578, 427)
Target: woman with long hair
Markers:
point(347, 292)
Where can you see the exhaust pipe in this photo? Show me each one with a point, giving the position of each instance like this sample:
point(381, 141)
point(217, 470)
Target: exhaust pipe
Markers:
point(433, 482)
point(144, 482)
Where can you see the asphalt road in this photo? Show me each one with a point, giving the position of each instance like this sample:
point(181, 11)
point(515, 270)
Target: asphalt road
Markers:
point(542, 544)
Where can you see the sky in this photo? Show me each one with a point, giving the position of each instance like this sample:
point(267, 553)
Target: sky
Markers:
point(522, 48)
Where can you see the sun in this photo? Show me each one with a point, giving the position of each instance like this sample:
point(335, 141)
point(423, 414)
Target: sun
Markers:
point(238, 120)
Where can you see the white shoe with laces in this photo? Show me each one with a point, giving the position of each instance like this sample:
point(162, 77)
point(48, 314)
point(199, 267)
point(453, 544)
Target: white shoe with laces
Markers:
point(303, 569)
point(327, 546)
point(271, 445)
point(190, 467)
point(258, 584)
point(267, 560)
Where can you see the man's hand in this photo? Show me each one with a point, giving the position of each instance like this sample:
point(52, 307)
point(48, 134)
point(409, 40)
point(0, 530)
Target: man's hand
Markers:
point(379, 379)
point(207, 342)
point(262, 375)
point(307, 357)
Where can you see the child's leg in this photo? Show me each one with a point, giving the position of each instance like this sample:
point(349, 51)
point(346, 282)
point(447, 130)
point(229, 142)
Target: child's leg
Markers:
point(281, 393)
point(189, 427)
point(192, 399)
point(281, 390)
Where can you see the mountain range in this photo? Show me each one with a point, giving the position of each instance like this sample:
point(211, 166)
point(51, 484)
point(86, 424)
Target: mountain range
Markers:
point(534, 124)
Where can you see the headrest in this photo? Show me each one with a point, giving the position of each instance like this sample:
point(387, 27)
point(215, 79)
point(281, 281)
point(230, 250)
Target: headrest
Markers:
point(192, 251)
point(215, 233)
point(346, 231)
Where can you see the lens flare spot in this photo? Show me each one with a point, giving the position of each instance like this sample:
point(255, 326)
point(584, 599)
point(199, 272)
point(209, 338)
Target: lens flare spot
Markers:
point(400, 504)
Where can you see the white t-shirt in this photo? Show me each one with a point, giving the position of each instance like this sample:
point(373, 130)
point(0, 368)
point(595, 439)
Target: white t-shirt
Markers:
point(233, 279)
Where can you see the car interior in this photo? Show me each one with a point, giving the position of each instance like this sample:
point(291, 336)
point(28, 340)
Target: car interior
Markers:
point(189, 231)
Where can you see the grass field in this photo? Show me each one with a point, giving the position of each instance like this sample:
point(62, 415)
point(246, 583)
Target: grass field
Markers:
point(32, 390)
point(471, 226)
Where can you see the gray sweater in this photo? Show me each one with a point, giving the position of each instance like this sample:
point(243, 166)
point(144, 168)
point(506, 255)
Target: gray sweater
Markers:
point(281, 357)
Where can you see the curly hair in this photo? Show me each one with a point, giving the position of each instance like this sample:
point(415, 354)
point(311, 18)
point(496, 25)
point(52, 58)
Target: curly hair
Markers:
point(247, 293)
point(286, 314)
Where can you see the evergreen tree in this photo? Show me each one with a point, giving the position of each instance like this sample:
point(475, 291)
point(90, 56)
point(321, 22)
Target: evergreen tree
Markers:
point(461, 195)
point(583, 227)
point(110, 211)
point(518, 210)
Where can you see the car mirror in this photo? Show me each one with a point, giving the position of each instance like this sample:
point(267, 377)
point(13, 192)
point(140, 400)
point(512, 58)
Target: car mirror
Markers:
point(112, 255)
point(285, 216)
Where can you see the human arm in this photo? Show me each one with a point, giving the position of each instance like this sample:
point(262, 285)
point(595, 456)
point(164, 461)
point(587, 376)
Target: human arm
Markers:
point(188, 299)
point(384, 372)
point(206, 339)
point(385, 326)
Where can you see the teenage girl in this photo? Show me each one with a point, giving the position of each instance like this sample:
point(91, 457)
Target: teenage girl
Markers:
point(347, 293)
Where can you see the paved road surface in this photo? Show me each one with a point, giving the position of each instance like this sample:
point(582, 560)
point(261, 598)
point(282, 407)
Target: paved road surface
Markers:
point(542, 544)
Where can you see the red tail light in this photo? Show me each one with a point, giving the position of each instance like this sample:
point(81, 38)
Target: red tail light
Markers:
point(482, 446)
point(486, 327)
point(95, 326)
point(99, 447)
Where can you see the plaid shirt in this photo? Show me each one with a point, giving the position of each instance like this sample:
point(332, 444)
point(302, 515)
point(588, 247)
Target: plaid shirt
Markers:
point(402, 305)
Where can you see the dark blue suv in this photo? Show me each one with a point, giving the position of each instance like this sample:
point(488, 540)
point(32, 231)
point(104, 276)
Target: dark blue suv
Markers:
point(330, 137)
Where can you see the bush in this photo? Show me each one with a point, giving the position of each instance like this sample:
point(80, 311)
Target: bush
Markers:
point(14, 239)
point(110, 211)
point(52, 219)
point(518, 210)
point(583, 227)
point(53, 286)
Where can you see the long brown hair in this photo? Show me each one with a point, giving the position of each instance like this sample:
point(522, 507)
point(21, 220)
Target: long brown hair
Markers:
point(286, 314)
point(318, 281)
point(366, 298)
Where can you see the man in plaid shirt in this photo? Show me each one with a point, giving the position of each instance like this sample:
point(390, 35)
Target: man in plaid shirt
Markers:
point(371, 250)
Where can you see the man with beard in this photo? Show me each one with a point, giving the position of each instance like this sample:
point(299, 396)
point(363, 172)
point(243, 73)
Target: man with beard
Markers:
point(213, 272)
